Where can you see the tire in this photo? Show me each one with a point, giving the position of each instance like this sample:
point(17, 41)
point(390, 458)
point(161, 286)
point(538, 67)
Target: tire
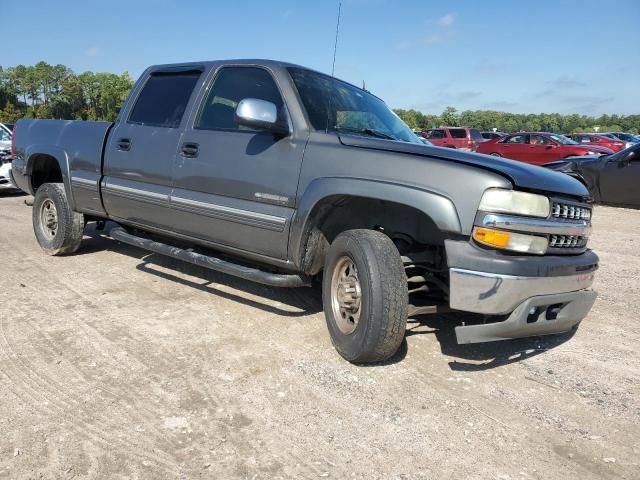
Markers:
point(495, 154)
point(58, 229)
point(373, 328)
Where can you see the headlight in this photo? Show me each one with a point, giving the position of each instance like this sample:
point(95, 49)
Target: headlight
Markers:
point(589, 152)
point(516, 242)
point(518, 203)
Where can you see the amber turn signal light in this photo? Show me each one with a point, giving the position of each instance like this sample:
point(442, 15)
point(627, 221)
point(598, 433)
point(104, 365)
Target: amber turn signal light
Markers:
point(494, 238)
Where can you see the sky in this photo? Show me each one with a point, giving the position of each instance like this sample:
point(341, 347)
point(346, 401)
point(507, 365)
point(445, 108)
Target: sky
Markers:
point(545, 56)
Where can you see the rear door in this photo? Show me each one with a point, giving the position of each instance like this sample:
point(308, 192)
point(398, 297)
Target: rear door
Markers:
point(142, 147)
point(459, 138)
point(515, 147)
point(235, 186)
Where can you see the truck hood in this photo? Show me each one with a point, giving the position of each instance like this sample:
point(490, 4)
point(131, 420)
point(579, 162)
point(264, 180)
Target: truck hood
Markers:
point(522, 175)
point(573, 163)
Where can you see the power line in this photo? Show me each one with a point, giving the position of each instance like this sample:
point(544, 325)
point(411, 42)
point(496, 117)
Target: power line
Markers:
point(335, 46)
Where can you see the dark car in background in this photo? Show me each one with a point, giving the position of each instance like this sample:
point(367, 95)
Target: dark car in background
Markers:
point(492, 135)
point(598, 140)
point(462, 138)
point(611, 179)
point(538, 148)
point(625, 137)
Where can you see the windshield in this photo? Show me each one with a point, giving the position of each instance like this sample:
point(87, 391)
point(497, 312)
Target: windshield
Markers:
point(563, 140)
point(334, 105)
point(625, 137)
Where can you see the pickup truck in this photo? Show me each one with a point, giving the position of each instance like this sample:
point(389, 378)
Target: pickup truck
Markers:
point(282, 175)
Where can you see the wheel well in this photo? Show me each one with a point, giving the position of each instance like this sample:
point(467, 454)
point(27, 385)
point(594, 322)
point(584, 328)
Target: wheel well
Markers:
point(45, 170)
point(407, 226)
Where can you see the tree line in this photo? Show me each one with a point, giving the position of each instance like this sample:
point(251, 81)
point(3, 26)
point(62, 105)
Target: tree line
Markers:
point(55, 91)
point(486, 120)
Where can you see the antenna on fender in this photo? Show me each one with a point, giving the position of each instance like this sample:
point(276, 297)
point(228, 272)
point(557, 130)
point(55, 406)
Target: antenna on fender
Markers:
point(335, 46)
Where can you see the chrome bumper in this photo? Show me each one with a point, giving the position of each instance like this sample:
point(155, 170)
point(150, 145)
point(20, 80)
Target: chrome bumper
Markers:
point(536, 305)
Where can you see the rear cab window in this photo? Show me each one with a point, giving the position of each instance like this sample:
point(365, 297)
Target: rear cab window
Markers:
point(437, 133)
point(164, 99)
point(458, 132)
point(514, 139)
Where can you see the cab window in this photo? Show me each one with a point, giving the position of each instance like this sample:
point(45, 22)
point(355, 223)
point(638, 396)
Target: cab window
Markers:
point(515, 139)
point(231, 85)
point(539, 140)
point(435, 134)
point(164, 99)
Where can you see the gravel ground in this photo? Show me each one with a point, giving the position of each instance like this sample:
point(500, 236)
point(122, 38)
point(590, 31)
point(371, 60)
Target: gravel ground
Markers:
point(119, 364)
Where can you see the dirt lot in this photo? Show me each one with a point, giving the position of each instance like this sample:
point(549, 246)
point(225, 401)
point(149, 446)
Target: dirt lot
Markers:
point(119, 364)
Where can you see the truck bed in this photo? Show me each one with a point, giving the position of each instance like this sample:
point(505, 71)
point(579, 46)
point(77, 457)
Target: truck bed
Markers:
point(77, 145)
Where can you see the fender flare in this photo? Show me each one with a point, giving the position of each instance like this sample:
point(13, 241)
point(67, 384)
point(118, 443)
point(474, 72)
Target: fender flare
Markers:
point(438, 207)
point(60, 155)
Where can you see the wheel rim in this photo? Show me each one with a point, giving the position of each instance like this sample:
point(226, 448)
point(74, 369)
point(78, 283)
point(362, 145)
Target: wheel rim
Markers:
point(346, 295)
point(48, 218)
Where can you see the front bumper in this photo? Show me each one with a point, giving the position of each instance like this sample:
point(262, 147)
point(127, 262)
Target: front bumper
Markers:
point(539, 295)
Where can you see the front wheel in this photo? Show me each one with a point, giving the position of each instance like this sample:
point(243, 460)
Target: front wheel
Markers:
point(58, 229)
point(365, 296)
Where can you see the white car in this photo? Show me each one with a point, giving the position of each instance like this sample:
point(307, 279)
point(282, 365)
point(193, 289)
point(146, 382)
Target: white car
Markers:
point(5, 136)
point(6, 182)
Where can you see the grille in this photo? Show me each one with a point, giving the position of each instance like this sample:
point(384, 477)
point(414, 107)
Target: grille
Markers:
point(571, 212)
point(567, 241)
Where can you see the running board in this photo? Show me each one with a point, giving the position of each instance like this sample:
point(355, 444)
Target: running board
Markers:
point(212, 263)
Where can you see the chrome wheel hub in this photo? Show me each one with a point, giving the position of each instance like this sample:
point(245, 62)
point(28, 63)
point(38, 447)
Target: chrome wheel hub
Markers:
point(48, 218)
point(346, 295)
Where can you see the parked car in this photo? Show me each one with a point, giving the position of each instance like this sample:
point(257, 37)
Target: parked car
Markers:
point(624, 137)
point(538, 148)
point(461, 138)
point(598, 140)
point(5, 137)
point(611, 179)
point(6, 180)
point(292, 174)
point(492, 135)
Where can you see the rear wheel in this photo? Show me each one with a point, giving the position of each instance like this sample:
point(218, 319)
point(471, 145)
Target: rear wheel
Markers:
point(58, 229)
point(496, 154)
point(365, 296)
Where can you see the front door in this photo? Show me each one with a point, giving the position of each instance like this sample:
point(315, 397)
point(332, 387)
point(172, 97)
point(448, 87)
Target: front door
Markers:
point(619, 181)
point(541, 150)
point(141, 150)
point(232, 185)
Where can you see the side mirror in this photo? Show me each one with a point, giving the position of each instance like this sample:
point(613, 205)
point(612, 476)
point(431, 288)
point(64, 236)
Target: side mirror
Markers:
point(260, 115)
point(627, 159)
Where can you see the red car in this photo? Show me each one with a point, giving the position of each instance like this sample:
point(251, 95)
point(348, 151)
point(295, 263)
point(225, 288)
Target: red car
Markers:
point(538, 148)
point(454, 137)
point(598, 140)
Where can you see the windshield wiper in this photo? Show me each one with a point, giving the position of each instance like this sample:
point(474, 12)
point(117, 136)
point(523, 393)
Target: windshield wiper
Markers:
point(367, 131)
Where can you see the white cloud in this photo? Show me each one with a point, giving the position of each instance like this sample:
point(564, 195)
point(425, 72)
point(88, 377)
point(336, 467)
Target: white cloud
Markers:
point(91, 52)
point(447, 20)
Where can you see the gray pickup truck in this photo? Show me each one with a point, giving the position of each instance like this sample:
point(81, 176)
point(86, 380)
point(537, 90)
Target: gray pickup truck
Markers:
point(279, 174)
